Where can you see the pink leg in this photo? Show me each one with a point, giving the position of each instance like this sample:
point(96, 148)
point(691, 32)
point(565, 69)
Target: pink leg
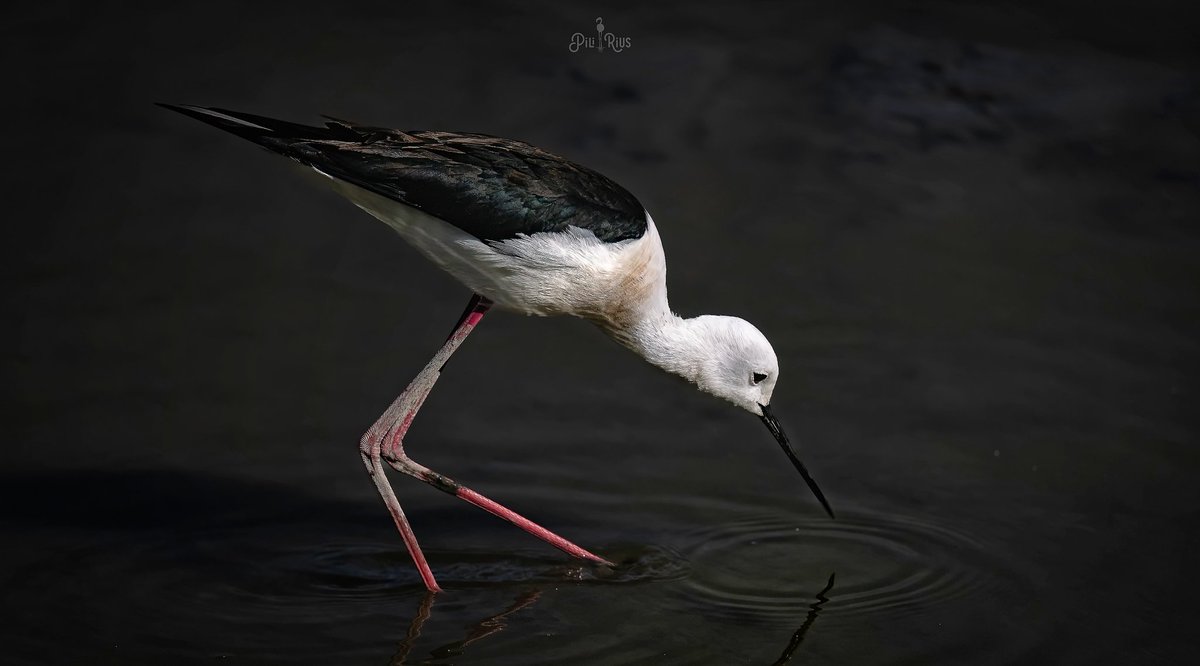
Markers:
point(403, 463)
point(384, 442)
point(396, 420)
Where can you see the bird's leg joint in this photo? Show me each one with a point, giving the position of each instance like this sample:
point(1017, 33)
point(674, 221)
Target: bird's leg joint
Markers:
point(368, 448)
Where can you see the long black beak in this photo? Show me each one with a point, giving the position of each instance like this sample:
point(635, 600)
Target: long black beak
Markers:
point(777, 431)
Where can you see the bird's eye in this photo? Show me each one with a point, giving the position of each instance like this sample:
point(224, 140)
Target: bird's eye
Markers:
point(756, 378)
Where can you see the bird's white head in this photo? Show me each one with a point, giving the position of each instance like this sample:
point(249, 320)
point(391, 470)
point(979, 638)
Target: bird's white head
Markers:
point(728, 358)
point(732, 360)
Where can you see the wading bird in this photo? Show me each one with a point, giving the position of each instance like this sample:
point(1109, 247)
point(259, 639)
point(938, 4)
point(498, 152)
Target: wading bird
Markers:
point(526, 231)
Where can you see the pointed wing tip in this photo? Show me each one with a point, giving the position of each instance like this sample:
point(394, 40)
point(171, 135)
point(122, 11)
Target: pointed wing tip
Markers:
point(340, 121)
point(185, 108)
point(227, 120)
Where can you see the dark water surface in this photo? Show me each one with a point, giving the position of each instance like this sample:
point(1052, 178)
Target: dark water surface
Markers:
point(970, 230)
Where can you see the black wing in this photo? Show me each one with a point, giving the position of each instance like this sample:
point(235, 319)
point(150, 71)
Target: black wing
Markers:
point(489, 187)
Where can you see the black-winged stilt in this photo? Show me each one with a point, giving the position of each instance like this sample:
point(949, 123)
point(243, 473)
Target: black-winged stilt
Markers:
point(526, 231)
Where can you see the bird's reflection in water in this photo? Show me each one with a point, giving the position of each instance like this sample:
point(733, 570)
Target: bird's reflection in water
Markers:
point(495, 623)
point(480, 630)
point(814, 610)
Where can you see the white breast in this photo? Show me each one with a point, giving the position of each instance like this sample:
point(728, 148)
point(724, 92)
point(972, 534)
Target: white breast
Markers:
point(549, 273)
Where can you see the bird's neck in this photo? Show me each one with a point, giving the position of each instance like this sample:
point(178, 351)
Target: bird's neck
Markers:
point(666, 340)
point(644, 322)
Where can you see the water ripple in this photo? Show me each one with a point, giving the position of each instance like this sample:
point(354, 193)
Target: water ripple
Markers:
point(768, 565)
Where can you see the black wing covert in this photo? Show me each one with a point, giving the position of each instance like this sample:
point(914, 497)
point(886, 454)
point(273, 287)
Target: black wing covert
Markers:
point(491, 188)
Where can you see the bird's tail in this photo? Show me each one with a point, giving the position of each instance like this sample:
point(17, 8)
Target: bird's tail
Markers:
point(276, 135)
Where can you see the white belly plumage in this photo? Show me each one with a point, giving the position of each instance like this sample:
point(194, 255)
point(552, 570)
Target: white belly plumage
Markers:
point(549, 273)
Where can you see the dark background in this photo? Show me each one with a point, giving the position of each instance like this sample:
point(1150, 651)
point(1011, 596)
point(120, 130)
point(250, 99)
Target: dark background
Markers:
point(969, 228)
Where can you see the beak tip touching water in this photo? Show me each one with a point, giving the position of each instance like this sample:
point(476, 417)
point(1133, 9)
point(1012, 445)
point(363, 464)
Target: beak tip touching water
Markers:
point(777, 431)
